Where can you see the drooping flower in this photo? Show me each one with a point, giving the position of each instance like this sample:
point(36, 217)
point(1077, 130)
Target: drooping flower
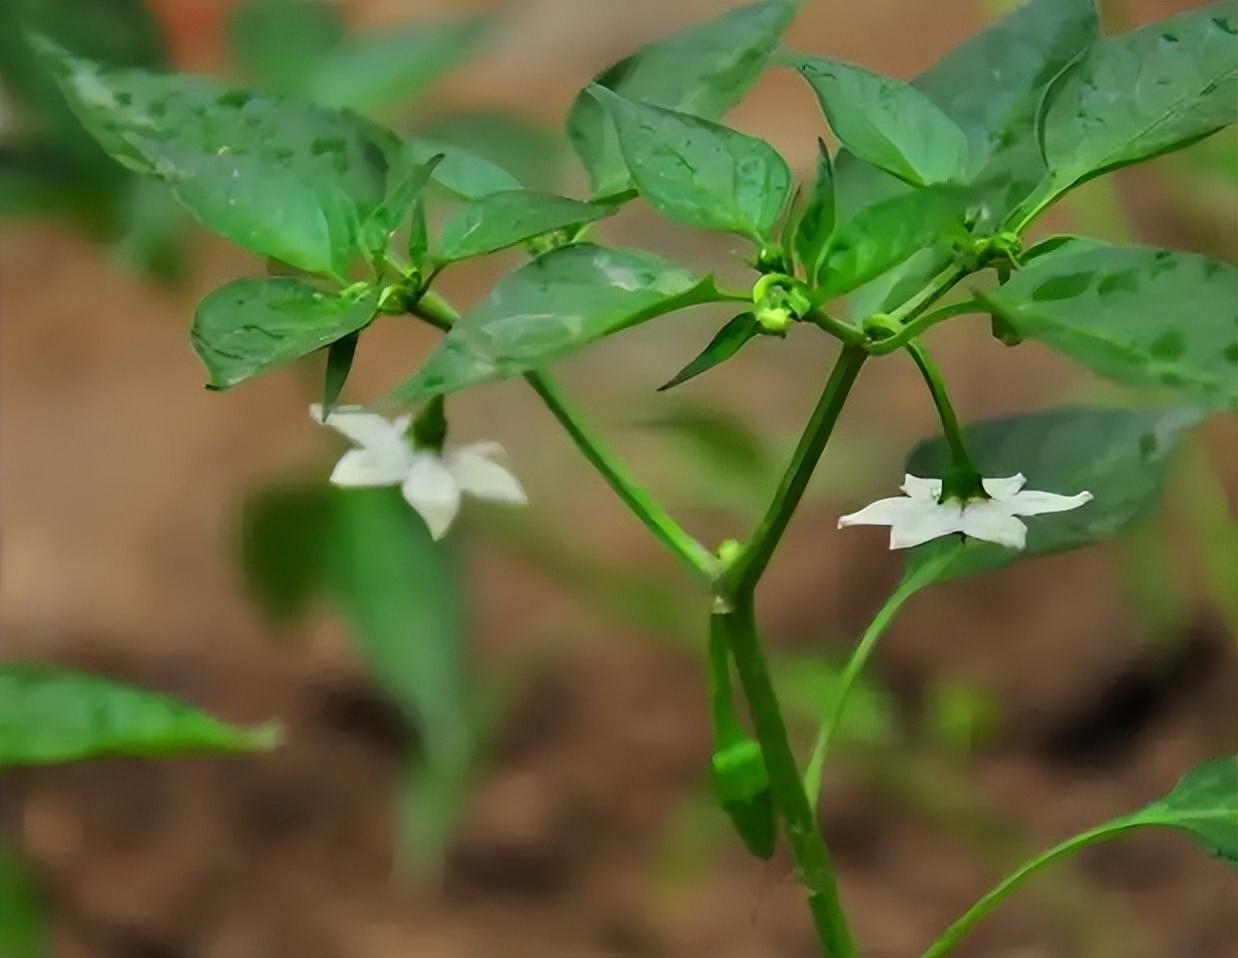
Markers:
point(431, 480)
point(922, 514)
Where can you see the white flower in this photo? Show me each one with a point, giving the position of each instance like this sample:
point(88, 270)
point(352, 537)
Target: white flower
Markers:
point(432, 482)
point(920, 515)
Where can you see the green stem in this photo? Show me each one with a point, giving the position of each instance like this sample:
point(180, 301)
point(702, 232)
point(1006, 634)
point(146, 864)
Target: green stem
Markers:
point(845, 332)
point(439, 313)
point(937, 287)
point(945, 411)
point(921, 323)
point(812, 858)
point(959, 930)
point(833, 712)
point(752, 562)
point(646, 508)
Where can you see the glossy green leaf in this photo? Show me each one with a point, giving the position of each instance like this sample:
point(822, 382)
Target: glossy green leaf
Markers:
point(50, 715)
point(698, 172)
point(556, 304)
point(461, 171)
point(1204, 803)
point(380, 69)
point(816, 226)
point(504, 219)
point(723, 346)
point(23, 918)
point(339, 364)
point(283, 547)
point(1140, 94)
point(279, 42)
point(1145, 317)
point(287, 181)
point(1118, 455)
point(703, 70)
point(886, 234)
point(401, 596)
point(252, 325)
point(887, 122)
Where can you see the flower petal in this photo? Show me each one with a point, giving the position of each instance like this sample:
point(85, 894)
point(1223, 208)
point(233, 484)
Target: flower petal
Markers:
point(883, 512)
point(921, 489)
point(1004, 488)
point(365, 467)
point(430, 489)
point(1034, 503)
point(927, 521)
point(479, 475)
point(991, 520)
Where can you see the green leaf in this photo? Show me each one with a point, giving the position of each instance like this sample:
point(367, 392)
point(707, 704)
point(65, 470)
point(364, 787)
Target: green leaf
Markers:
point(721, 348)
point(252, 325)
point(698, 172)
point(283, 547)
point(887, 233)
point(816, 226)
point(401, 597)
point(992, 85)
point(504, 219)
point(703, 70)
point(462, 172)
point(375, 71)
point(1118, 455)
point(1204, 804)
point(339, 363)
point(50, 715)
point(23, 920)
point(887, 122)
point(288, 181)
point(553, 306)
point(1141, 94)
point(1145, 317)
point(279, 42)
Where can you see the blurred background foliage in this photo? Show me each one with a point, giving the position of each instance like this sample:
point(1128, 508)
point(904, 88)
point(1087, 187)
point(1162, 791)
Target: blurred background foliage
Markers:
point(426, 620)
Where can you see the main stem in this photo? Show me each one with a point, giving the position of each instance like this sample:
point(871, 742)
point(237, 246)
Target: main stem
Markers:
point(812, 858)
point(747, 570)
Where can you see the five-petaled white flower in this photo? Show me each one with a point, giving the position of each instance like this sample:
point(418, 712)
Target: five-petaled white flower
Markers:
point(432, 481)
point(921, 514)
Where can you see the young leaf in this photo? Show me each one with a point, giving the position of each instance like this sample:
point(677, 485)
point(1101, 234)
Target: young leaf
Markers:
point(252, 325)
point(1204, 804)
point(553, 306)
point(400, 200)
point(374, 71)
point(721, 348)
point(287, 181)
point(1118, 455)
point(284, 542)
point(1143, 93)
point(887, 122)
point(698, 172)
point(884, 235)
point(816, 226)
point(339, 363)
point(50, 715)
point(1142, 316)
point(279, 42)
point(504, 219)
point(703, 70)
point(462, 172)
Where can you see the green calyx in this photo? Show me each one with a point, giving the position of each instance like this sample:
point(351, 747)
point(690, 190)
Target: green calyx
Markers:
point(1003, 250)
point(962, 484)
point(429, 428)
